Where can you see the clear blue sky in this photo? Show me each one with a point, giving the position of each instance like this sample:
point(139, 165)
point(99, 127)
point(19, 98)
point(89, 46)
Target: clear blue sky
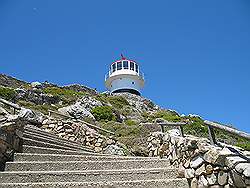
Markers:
point(195, 54)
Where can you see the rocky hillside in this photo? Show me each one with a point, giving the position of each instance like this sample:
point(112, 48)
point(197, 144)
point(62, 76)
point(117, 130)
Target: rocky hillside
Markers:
point(120, 113)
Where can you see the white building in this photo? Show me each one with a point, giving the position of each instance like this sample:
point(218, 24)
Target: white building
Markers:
point(124, 76)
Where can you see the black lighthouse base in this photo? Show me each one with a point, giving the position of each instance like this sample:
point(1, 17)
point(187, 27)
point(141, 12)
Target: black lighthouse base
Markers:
point(127, 91)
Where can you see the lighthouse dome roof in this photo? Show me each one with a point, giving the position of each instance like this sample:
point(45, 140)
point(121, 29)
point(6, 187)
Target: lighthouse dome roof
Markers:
point(123, 59)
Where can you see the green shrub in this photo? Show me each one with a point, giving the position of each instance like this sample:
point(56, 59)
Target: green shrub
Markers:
point(62, 92)
point(243, 143)
point(196, 127)
point(167, 115)
point(117, 101)
point(130, 122)
point(126, 111)
point(66, 95)
point(7, 93)
point(103, 113)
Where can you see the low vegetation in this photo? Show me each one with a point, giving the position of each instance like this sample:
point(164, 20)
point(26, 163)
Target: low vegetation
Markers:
point(66, 95)
point(103, 113)
point(118, 116)
point(116, 101)
point(7, 93)
point(131, 134)
point(40, 108)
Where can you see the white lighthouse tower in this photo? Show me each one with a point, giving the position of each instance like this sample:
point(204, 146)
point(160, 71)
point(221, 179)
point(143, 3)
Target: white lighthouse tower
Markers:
point(124, 76)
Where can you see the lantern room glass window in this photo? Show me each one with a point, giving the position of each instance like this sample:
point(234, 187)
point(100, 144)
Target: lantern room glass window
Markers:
point(119, 65)
point(136, 68)
point(125, 64)
point(132, 66)
point(113, 69)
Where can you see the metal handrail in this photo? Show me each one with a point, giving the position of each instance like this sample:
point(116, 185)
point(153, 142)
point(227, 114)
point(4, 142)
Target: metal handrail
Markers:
point(211, 126)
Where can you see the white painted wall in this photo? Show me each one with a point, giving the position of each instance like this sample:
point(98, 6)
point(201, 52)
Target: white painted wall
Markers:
point(125, 83)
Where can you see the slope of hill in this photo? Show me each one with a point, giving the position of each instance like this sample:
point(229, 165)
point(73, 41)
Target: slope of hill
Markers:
point(120, 113)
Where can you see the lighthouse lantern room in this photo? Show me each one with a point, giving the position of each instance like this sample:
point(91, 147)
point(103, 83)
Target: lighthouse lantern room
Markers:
point(124, 76)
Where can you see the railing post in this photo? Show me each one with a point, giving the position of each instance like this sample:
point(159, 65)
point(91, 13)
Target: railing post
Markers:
point(211, 135)
point(162, 128)
point(181, 130)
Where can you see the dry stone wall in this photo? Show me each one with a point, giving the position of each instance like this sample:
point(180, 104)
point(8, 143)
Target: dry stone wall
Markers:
point(11, 129)
point(77, 131)
point(204, 165)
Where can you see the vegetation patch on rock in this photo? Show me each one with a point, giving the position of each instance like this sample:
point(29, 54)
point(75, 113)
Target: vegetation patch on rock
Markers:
point(103, 113)
point(7, 93)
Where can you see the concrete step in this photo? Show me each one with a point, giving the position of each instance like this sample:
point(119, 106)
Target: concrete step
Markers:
point(87, 176)
point(56, 141)
point(41, 132)
point(85, 165)
point(58, 157)
point(44, 150)
point(157, 183)
point(31, 142)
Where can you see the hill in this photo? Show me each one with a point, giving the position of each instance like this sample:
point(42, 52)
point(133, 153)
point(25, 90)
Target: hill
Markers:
point(121, 113)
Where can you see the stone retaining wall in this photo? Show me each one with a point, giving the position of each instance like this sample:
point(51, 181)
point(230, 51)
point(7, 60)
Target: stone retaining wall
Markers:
point(202, 164)
point(11, 129)
point(76, 131)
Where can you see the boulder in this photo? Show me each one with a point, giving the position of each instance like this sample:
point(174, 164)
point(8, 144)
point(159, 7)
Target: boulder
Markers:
point(89, 103)
point(76, 110)
point(196, 162)
point(31, 116)
point(237, 179)
point(202, 182)
point(211, 179)
point(243, 168)
point(194, 183)
point(201, 170)
point(114, 150)
point(189, 173)
point(222, 178)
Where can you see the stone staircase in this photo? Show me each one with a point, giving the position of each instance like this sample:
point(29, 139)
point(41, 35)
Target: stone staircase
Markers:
point(49, 161)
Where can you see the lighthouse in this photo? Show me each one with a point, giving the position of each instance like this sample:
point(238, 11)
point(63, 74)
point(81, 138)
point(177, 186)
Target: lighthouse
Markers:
point(124, 75)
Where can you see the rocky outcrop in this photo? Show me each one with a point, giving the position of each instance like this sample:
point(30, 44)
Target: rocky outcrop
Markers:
point(36, 96)
point(9, 81)
point(80, 88)
point(139, 102)
point(81, 109)
point(204, 165)
point(76, 110)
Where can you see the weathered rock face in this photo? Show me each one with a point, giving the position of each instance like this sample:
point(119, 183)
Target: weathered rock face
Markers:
point(89, 103)
point(31, 117)
point(79, 132)
point(139, 102)
point(76, 110)
point(9, 81)
point(36, 96)
point(203, 164)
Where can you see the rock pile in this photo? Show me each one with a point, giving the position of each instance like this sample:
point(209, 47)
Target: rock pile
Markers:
point(204, 165)
point(77, 131)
